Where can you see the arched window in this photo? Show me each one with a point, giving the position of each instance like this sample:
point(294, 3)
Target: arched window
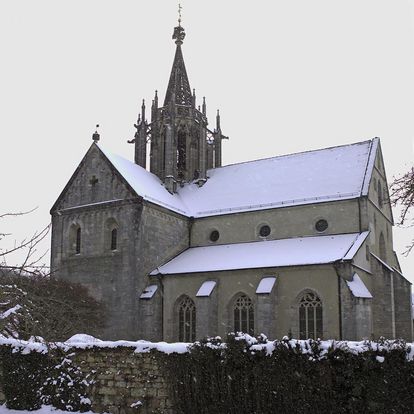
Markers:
point(114, 239)
point(244, 315)
point(111, 234)
point(78, 241)
point(382, 249)
point(186, 320)
point(75, 239)
point(310, 316)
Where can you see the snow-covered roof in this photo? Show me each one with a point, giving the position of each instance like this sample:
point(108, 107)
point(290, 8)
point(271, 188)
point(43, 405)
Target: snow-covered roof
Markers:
point(358, 288)
point(149, 292)
point(309, 177)
point(253, 255)
point(266, 285)
point(206, 288)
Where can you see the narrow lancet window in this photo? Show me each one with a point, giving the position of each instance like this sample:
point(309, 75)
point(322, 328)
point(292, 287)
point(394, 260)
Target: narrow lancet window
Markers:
point(78, 241)
point(114, 239)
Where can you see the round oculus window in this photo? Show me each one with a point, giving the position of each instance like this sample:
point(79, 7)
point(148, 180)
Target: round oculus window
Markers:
point(264, 231)
point(214, 235)
point(321, 225)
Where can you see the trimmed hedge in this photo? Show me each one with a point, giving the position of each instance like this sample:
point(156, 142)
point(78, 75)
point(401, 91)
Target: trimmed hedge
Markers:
point(31, 379)
point(242, 378)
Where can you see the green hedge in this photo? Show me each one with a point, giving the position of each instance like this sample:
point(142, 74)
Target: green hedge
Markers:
point(297, 377)
point(31, 379)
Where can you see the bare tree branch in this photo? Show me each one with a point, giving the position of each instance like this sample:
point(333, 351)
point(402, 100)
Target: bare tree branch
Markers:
point(402, 194)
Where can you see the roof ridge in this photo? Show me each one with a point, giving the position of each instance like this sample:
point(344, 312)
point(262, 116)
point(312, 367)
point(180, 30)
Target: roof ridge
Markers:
point(294, 154)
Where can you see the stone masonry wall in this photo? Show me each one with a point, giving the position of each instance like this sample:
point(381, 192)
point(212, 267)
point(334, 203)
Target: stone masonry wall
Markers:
point(125, 382)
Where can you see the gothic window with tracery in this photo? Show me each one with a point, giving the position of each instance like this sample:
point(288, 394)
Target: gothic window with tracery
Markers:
point(186, 320)
point(310, 316)
point(244, 315)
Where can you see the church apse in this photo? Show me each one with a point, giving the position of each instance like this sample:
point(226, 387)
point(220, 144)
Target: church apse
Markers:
point(182, 147)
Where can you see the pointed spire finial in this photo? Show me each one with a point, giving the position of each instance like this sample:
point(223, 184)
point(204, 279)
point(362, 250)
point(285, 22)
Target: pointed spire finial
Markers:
point(96, 135)
point(179, 33)
point(179, 14)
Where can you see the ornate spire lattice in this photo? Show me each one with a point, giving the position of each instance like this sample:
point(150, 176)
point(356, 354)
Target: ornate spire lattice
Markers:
point(178, 90)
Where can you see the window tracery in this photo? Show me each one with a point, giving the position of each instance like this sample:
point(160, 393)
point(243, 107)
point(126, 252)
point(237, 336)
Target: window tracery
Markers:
point(186, 320)
point(310, 316)
point(243, 311)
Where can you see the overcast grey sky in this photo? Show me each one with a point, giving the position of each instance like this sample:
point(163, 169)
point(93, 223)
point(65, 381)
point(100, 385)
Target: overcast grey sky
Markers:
point(287, 76)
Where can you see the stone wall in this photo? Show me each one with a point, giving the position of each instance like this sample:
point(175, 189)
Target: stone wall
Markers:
point(125, 382)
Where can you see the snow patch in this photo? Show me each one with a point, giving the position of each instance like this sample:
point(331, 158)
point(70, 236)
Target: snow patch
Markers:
point(358, 288)
point(266, 285)
point(149, 292)
point(10, 311)
point(206, 288)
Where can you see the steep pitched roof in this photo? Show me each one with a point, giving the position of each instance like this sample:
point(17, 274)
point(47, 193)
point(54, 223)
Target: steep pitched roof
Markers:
point(329, 174)
point(274, 253)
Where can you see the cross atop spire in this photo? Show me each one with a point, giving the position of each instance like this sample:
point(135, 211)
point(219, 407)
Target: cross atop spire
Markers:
point(179, 14)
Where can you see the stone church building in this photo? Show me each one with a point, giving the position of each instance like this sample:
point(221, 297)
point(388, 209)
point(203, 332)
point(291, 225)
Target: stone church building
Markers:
point(180, 247)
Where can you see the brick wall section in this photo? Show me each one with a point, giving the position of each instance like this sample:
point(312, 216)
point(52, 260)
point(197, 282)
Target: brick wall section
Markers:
point(123, 378)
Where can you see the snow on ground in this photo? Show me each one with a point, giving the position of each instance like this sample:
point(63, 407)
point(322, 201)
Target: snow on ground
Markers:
point(46, 409)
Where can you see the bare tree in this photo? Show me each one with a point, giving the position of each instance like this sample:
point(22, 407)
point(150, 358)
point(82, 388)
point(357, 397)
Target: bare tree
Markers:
point(33, 302)
point(35, 305)
point(28, 249)
point(402, 194)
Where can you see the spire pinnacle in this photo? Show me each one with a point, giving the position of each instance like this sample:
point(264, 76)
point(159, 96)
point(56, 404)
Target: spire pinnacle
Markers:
point(179, 14)
point(179, 33)
point(95, 135)
point(178, 89)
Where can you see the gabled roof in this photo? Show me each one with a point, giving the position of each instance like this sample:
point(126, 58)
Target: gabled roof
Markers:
point(274, 253)
point(329, 174)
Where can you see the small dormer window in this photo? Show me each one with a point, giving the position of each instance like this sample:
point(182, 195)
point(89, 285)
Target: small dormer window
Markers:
point(321, 225)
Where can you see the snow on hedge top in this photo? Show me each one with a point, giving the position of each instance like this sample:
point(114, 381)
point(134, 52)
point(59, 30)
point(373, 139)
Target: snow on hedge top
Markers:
point(273, 253)
point(252, 344)
point(308, 177)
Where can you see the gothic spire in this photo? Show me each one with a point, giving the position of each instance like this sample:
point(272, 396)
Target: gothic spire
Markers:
point(178, 90)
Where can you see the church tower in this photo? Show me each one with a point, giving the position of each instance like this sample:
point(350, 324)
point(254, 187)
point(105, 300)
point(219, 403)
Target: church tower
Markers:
point(183, 148)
